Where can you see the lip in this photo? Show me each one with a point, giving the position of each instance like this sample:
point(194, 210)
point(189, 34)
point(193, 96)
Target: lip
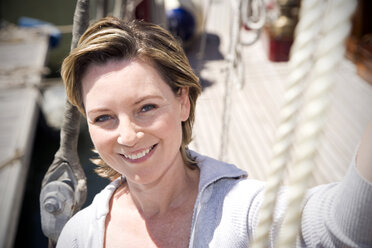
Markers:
point(139, 160)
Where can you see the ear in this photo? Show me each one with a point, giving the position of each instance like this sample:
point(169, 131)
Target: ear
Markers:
point(185, 103)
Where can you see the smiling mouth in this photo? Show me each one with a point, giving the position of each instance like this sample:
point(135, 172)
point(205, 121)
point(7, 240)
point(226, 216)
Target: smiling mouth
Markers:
point(140, 154)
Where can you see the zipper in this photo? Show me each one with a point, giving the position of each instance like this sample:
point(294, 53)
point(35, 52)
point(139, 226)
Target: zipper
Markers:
point(197, 208)
point(195, 216)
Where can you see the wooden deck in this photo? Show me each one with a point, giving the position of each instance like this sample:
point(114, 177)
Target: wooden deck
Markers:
point(255, 109)
point(22, 59)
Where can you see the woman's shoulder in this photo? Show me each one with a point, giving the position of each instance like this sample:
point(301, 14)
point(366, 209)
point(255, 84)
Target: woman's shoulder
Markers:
point(99, 206)
point(74, 233)
point(242, 193)
point(89, 222)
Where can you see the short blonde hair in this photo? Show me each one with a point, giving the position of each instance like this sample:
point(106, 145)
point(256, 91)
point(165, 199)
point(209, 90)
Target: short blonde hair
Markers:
point(113, 39)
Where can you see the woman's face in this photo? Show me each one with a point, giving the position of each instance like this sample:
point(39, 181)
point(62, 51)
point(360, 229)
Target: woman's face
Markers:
point(134, 118)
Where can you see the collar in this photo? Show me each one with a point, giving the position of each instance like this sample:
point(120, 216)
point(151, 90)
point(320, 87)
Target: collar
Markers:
point(212, 170)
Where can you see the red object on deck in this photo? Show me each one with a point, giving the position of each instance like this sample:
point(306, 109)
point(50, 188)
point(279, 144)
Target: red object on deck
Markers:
point(278, 50)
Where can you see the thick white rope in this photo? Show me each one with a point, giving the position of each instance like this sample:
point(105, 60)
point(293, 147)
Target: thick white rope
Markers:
point(335, 28)
point(301, 60)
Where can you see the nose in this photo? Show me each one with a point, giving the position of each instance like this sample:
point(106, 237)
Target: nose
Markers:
point(127, 134)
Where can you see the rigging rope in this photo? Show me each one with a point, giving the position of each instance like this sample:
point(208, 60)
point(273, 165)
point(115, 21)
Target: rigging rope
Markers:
point(300, 63)
point(334, 29)
point(252, 14)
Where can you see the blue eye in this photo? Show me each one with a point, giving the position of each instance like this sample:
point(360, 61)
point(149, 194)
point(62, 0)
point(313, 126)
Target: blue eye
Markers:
point(148, 107)
point(102, 118)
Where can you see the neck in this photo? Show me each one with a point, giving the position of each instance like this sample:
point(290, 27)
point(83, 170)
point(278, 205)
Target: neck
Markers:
point(171, 191)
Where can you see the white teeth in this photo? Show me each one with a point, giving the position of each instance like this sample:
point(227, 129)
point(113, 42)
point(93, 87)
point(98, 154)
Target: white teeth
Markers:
point(138, 155)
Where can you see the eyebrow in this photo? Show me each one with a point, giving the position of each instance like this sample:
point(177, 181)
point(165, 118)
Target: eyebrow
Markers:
point(97, 110)
point(146, 98)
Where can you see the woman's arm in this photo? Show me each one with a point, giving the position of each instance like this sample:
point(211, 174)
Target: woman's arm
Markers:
point(364, 156)
point(340, 214)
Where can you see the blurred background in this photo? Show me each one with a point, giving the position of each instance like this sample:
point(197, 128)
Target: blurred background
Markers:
point(35, 36)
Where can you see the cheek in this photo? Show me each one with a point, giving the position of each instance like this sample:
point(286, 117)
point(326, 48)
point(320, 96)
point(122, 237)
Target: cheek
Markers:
point(101, 139)
point(169, 129)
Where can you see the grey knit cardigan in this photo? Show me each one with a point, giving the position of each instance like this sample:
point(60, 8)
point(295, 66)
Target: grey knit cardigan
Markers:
point(226, 209)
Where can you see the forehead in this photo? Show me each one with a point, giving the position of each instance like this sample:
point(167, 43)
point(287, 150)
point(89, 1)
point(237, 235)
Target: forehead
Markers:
point(130, 78)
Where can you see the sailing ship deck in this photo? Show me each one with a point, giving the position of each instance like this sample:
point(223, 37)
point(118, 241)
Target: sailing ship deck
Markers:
point(22, 56)
point(254, 109)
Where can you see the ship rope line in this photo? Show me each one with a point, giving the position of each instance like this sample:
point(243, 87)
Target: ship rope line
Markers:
point(252, 14)
point(315, 55)
point(327, 26)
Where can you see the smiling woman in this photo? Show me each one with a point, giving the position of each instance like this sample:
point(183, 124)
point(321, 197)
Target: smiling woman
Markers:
point(133, 83)
point(136, 127)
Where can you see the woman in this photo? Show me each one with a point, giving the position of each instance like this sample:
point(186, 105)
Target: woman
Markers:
point(133, 83)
